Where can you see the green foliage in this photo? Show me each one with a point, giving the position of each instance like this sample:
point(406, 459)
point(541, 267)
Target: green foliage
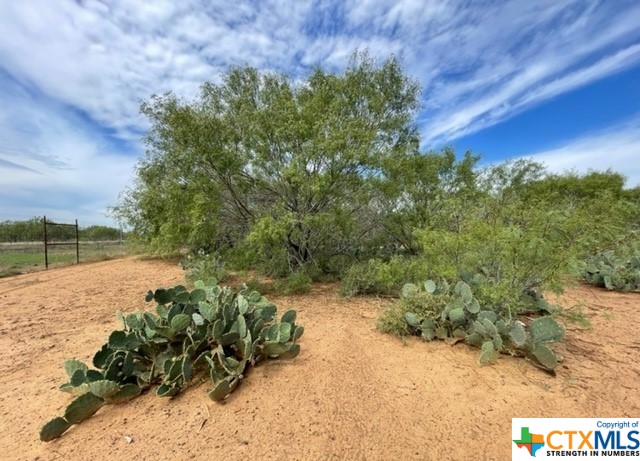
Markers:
point(296, 283)
point(378, 277)
point(419, 304)
point(512, 241)
point(263, 246)
point(32, 230)
point(100, 233)
point(415, 194)
point(453, 313)
point(203, 266)
point(615, 270)
point(210, 331)
point(319, 174)
point(287, 168)
point(575, 187)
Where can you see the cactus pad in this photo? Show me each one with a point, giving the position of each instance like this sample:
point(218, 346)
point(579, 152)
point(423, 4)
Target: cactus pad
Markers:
point(82, 408)
point(54, 429)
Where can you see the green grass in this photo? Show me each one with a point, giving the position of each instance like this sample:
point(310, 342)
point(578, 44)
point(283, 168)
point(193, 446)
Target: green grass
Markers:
point(33, 259)
point(18, 258)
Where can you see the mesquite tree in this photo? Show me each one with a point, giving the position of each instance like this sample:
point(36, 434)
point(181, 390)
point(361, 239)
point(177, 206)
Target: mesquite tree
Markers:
point(284, 169)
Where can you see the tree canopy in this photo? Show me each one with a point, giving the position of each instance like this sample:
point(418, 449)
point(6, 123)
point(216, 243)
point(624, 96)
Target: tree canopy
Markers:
point(32, 230)
point(318, 173)
point(285, 169)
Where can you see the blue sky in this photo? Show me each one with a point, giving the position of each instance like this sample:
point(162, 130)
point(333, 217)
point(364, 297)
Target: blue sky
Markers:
point(558, 81)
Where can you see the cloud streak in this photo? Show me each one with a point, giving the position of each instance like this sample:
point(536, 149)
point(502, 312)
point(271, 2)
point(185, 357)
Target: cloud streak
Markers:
point(8, 165)
point(478, 64)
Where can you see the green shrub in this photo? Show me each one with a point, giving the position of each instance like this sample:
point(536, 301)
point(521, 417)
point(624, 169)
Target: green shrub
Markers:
point(210, 331)
point(378, 277)
point(421, 303)
point(203, 266)
point(336, 267)
point(296, 283)
point(259, 285)
point(501, 246)
point(368, 277)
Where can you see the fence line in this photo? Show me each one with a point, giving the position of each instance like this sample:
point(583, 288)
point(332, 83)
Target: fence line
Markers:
point(47, 243)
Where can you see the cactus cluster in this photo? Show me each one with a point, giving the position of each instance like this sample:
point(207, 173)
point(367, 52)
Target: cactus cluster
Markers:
point(493, 331)
point(619, 271)
point(210, 330)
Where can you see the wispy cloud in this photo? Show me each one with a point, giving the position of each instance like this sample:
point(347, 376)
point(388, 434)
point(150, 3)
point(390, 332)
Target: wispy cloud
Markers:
point(523, 55)
point(522, 92)
point(616, 147)
point(479, 63)
point(9, 165)
point(53, 163)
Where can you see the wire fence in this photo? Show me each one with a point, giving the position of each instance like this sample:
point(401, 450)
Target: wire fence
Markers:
point(19, 257)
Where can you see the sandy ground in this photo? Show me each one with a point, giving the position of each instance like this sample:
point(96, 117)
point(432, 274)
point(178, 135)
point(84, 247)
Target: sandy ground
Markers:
point(352, 394)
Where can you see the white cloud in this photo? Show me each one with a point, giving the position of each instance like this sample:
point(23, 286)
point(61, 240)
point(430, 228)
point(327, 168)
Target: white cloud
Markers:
point(479, 65)
point(55, 165)
point(522, 56)
point(617, 148)
point(521, 92)
point(606, 66)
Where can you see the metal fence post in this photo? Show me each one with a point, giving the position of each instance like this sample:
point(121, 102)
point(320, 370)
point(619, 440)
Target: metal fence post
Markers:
point(46, 254)
point(77, 244)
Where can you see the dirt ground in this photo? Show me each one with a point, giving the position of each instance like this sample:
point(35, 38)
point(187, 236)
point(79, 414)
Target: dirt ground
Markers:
point(353, 393)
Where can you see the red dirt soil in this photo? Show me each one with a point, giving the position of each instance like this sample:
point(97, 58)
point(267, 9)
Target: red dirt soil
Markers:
point(353, 393)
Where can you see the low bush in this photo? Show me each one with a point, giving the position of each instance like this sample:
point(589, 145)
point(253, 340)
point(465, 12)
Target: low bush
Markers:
point(203, 266)
point(420, 302)
point(452, 313)
point(377, 277)
point(296, 283)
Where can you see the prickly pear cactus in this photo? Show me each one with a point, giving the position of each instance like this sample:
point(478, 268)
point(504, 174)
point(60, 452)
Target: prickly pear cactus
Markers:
point(211, 331)
point(494, 332)
point(614, 270)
